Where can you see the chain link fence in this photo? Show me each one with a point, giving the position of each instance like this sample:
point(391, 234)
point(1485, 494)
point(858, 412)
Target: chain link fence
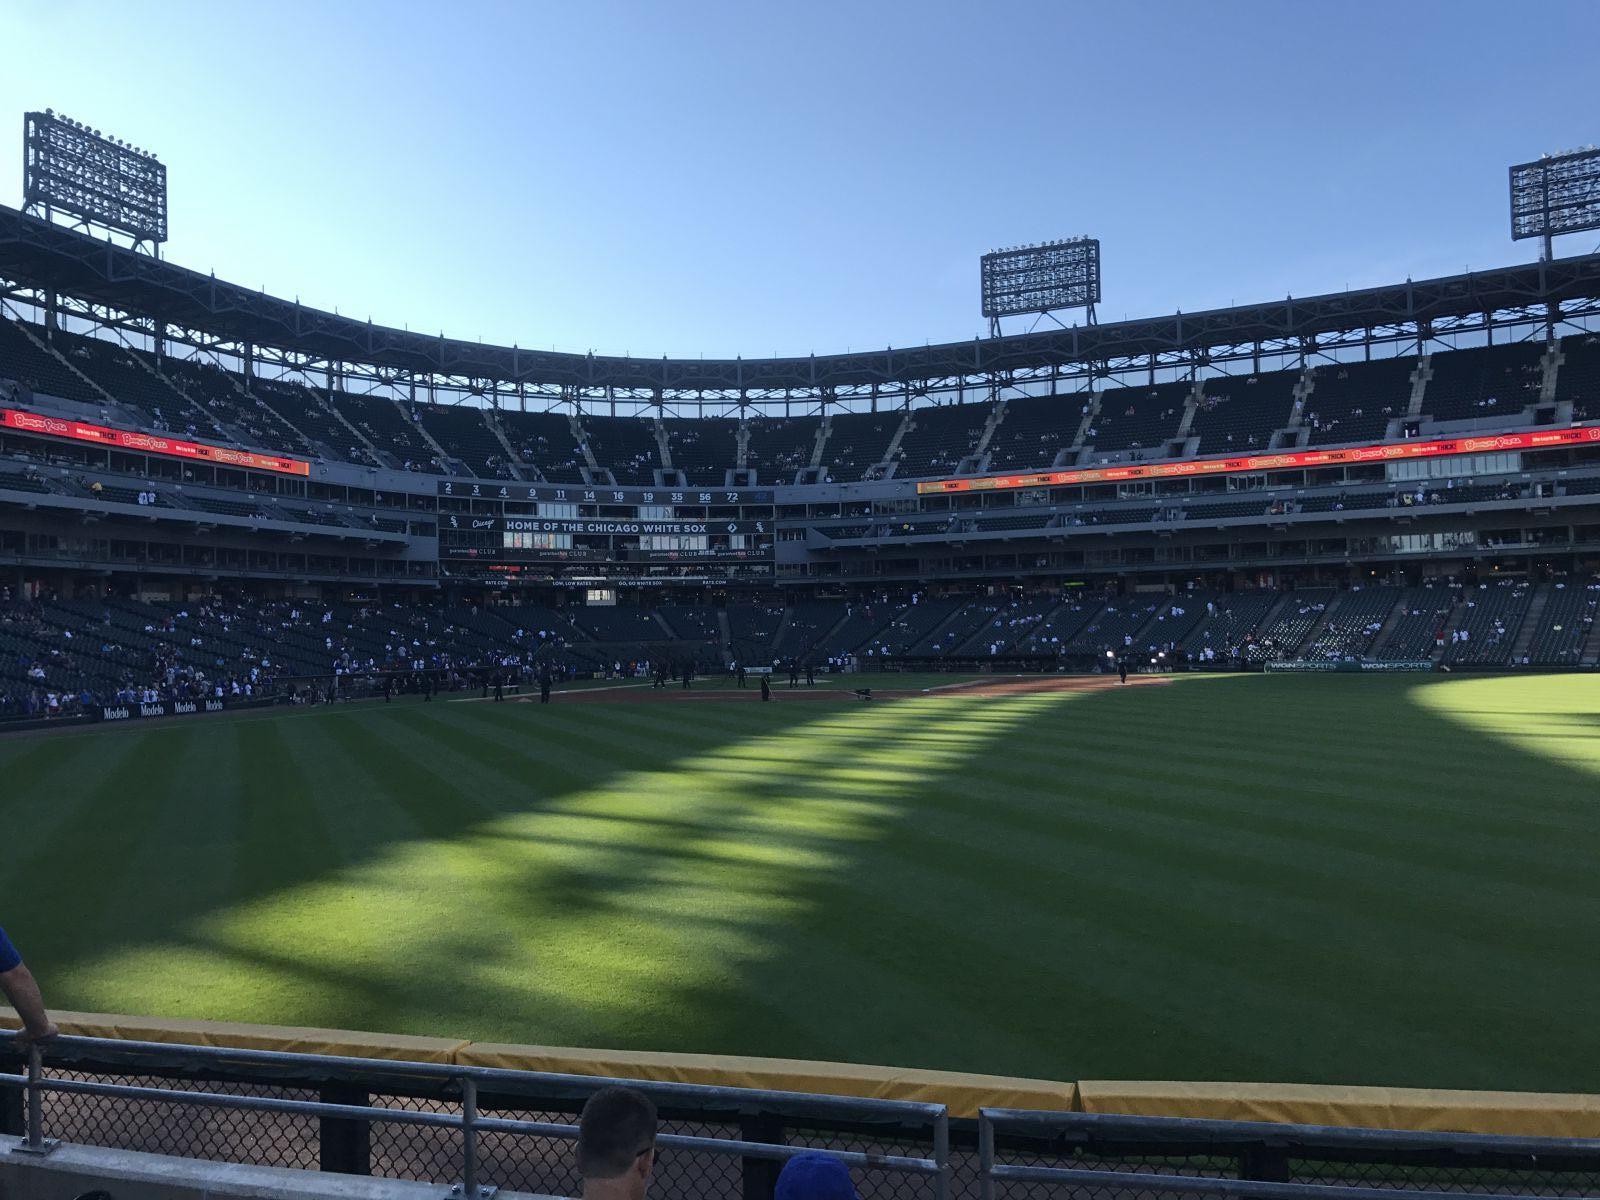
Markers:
point(313, 1112)
point(1090, 1156)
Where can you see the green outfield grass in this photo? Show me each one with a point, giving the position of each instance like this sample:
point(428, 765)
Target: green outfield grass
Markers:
point(1332, 879)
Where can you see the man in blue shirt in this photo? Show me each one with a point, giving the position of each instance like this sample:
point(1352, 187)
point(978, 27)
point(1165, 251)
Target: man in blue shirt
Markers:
point(22, 991)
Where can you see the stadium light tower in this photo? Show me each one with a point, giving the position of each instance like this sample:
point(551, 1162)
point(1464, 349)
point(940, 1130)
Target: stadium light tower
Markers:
point(96, 181)
point(1560, 193)
point(1041, 279)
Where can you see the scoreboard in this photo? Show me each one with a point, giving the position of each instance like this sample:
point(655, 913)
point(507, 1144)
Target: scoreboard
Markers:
point(585, 534)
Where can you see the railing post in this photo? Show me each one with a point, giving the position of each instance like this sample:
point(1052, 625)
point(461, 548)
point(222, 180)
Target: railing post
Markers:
point(344, 1146)
point(34, 1141)
point(759, 1176)
point(469, 1138)
point(941, 1155)
point(985, 1156)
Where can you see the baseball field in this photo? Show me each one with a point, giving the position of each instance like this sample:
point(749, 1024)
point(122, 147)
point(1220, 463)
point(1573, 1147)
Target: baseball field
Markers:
point(1389, 880)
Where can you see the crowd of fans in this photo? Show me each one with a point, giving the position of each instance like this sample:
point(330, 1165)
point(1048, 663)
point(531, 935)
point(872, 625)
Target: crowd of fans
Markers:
point(61, 657)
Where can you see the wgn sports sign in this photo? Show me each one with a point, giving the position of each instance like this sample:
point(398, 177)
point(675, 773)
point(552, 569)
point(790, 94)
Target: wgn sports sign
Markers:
point(1319, 665)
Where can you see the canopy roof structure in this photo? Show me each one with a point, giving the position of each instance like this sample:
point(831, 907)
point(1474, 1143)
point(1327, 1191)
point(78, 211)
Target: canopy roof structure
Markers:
point(50, 265)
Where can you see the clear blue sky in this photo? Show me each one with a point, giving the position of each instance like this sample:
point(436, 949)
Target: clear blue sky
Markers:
point(758, 178)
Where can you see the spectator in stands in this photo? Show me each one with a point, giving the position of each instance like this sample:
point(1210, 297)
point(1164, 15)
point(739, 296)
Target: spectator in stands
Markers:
point(814, 1176)
point(617, 1144)
point(22, 992)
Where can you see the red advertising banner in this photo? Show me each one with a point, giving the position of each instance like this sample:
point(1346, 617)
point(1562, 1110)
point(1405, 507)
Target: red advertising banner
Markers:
point(148, 443)
point(1543, 439)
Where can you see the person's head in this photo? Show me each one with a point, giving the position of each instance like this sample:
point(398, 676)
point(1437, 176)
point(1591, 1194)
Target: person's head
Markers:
point(814, 1176)
point(616, 1142)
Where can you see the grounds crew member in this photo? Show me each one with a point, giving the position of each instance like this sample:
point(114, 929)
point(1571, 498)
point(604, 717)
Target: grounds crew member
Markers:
point(544, 686)
point(22, 992)
point(766, 689)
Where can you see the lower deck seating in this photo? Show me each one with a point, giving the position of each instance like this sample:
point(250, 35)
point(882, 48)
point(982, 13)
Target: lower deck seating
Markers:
point(1117, 628)
point(1565, 624)
point(100, 646)
point(753, 630)
point(691, 621)
point(1056, 629)
point(1008, 625)
point(1229, 626)
point(1354, 622)
point(1488, 628)
point(1296, 618)
point(1420, 627)
point(909, 626)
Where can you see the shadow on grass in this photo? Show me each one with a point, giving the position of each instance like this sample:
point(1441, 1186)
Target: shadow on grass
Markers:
point(1297, 879)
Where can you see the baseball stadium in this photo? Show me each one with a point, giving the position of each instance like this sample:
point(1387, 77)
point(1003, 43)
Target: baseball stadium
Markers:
point(1102, 757)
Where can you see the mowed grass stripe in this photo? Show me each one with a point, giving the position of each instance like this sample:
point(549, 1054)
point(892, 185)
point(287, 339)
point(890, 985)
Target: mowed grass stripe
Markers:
point(1212, 822)
point(283, 809)
point(1252, 749)
point(1363, 880)
point(1120, 933)
point(1105, 758)
point(95, 856)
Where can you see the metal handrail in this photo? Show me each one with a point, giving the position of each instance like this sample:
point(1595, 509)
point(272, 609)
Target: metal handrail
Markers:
point(1119, 1126)
point(1116, 1127)
point(471, 1123)
point(1230, 1189)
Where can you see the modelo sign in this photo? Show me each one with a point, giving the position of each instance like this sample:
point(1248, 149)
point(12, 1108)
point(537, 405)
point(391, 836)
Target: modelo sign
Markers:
point(172, 708)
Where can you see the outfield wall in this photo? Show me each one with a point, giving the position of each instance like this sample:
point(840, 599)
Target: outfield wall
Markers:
point(1526, 1114)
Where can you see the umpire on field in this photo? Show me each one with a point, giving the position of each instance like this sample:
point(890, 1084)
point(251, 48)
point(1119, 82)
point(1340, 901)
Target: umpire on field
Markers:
point(22, 991)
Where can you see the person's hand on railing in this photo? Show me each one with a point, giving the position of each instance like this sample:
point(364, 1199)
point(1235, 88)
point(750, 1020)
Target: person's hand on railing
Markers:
point(34, 1035)
point(19, 987)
